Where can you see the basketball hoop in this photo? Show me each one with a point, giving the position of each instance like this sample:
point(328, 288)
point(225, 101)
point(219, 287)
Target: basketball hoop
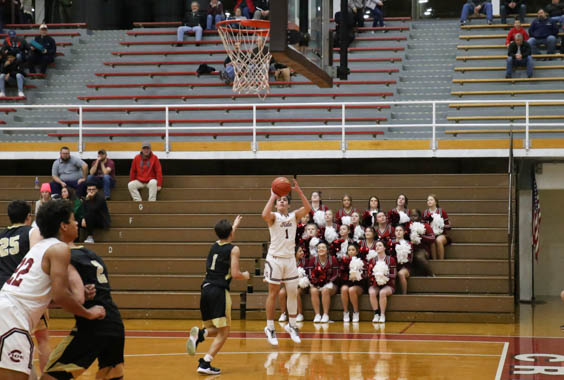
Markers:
point(245, 43)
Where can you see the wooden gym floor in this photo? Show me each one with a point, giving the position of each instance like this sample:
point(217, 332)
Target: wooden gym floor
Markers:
point(155, 349)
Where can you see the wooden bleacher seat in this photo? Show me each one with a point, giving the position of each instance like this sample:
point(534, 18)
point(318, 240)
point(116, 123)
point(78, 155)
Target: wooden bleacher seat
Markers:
point(136, 33)
point(507, 80)
point(482, 47)
point(380, 28)
point(508, 117)
point(8, 110)
point(52, 34)
point(507, 92)
point(497, 131)
point(493, 26)
point(502, 68)
point(78, 25)
point(507, 104)
point(486, 57)
point(486, 36)
point(228, 108)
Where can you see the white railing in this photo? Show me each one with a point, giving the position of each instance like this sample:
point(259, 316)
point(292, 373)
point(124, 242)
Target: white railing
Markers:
point(431, 127)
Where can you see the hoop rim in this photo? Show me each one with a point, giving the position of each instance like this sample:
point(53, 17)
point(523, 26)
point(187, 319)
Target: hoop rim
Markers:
point(262, 26)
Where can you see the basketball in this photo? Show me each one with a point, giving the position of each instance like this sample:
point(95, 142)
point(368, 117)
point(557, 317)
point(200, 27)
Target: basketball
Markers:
point(281, 186)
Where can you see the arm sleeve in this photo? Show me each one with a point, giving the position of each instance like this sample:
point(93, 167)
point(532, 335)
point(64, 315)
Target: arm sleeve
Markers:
point(133, 171)
point(55, 169)
point(159, 172)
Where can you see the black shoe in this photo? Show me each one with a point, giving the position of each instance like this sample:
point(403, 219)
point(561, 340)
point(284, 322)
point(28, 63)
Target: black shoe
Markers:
point(490, 22)
point(507, 76)
point(206, 368)
point(195, 338)
point(179, 45)
point(530, 76)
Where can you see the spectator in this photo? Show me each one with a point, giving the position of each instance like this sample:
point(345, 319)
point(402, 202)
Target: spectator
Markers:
point(262, 10)
point(43, 51)
point(27, 10)
point(40, 11)
point(555, 11)
point(517, 29)
point(145, 172)
point(349, 27)
point(96, 214)
point(238, 15)
point(11, 71)
point(64, 10)
point(45, 196)
point(194, 21)
point(103, 173)
point(247, 8)
point(543, 31)
point(512, 7)
point(16, 46)
point(69, 194)
point(376, 7)
point(228, 73)
point(70, 171)
point(215, 14)
point(356, 7)
point(472, 6)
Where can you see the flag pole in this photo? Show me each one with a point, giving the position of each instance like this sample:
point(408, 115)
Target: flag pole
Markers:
point(510, 212)
point(532, 245)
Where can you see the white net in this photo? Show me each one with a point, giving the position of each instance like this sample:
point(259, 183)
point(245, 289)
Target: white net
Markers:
point(246, 44)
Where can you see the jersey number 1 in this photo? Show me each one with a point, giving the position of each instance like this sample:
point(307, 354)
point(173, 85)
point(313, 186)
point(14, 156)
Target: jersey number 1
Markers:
point(287, 234)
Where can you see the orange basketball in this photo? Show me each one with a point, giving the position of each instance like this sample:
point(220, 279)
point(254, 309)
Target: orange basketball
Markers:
point(281, 186)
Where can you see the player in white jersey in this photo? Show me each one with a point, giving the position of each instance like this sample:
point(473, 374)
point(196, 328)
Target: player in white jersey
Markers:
point(42, 276)
point(280, 265)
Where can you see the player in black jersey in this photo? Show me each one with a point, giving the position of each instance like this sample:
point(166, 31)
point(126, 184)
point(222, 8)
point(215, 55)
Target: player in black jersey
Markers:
point(101, 339)
point(222, 265)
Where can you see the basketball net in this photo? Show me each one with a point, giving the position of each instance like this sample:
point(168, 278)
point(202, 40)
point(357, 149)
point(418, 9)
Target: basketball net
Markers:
point(245, 43)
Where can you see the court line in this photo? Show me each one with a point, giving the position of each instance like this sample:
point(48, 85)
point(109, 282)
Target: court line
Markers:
point(323, 352)
point(407, 328)
point(501, 364)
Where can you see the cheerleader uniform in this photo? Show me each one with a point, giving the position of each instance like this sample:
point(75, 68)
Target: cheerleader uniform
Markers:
point(386, 235)
point(427, 239)
point(342, 212)
point(365, 248)
point(337, 247)
point(368, 218)
point(321, 274)
point(394, 218)
point(428, 218)
point(391, 263)
point(408, 265)
point(322, 207)
point(344, 273)
point(324, 228)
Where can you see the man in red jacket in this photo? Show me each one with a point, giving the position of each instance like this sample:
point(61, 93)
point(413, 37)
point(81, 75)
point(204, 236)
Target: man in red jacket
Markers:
point(517, 29)
point(145, 171)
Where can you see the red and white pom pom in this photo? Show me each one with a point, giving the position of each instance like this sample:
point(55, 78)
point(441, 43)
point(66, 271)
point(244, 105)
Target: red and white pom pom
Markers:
point(331, 234)
point(403, 249)
point(346, 220)
point(416, 231)
point(355, 269)
point(303, 281)
point(381, 273)
point(437, 224)
point(313, 246)
point(371, 254)
point(358, 233)
point(403, 217)
point(343, 251)
point(319, 218)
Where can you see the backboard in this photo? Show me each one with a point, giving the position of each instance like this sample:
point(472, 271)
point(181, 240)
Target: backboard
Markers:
point(311, 18)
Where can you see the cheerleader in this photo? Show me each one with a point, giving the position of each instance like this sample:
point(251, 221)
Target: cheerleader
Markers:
point(384, 230)
point(380, 289)
point(300, 230)
point(310, 239)
point(422, 238)
point(352, 281)
point(323, 271)
point(346, 210)
point(398, 215)
point(438, 219)
point(369, 215)
point(316, 205)
point(330, 231)
point(402, 251)
point(339, 247)
point(368, 244)
point(356, 230)
point(301, 262)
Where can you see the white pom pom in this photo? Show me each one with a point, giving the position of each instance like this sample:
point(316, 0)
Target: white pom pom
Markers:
point(403, 249)
point(303, 281)
point(346, 220)
point(438, 224)
point(417, 230)
point(319, 218)
point(403, 217)
point(355, 275)
point(343, 251)
point(355, 269)
point(331, 234)
point(371, 254)
point(358, 233)
point(313, 246)
point(381, 273)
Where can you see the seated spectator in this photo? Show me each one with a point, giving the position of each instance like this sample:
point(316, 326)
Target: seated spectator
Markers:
point(228, 73)
point(103, 173)
point(69, 171)
point(472, 6)
point(43, 51)
point(356, 7)
point(16, 46)
point(215, 14)
point(145, 171)
point(555, 11)
point(543, 31)
point(349, 27)
point(247, 8)
point(96, 214)
point(262, 10)
point(237, 15)
point(282, 72)
point(376, 8)
point(69, 194)
point(517, 29)
point(13, 73)
point(194, 21)
point(512, 7)
point(45, 195)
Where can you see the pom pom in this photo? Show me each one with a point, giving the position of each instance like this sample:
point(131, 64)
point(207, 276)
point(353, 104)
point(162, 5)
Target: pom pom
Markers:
point(313, 246)
point(346, 220)
point(371, 254)
point(331, 234)
point(417, 230)
point(358, 233)
point(343, 251)
point(319, 218)
point(381, 273)
point(403, 217)
point(355, 269)
point(403, 249)
point(438, 224)
point(303, 281)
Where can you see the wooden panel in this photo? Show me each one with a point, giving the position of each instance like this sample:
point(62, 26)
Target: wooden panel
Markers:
point(299, 145)
point(203, 146)
point(480, 144)
point(36, 146)
point(169, 250)
point(124, 146)
point(477, 251)
point(166, 265)
point(389, 145)
point(168, 282)
point(470, 267)
point(164, 300)
point(551, 143)
point(192, 314)
point(459, 284)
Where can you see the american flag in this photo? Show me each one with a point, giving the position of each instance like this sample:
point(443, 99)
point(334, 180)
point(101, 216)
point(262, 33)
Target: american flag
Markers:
point(536, 218)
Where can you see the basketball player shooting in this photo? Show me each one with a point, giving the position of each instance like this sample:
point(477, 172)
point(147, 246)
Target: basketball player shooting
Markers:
point(280, 265)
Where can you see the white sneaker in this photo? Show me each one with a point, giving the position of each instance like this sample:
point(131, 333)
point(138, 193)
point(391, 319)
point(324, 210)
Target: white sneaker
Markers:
point(294, 333)
point(2, 94)
point(283, 317)
point(21, 94)
point(89, 239)
point(271, 336)
point(376, 318)
point(300, 318)
point(346, 317)
point(317, 318)
point(325, 318)
point(382, 319)
point(356, 317)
